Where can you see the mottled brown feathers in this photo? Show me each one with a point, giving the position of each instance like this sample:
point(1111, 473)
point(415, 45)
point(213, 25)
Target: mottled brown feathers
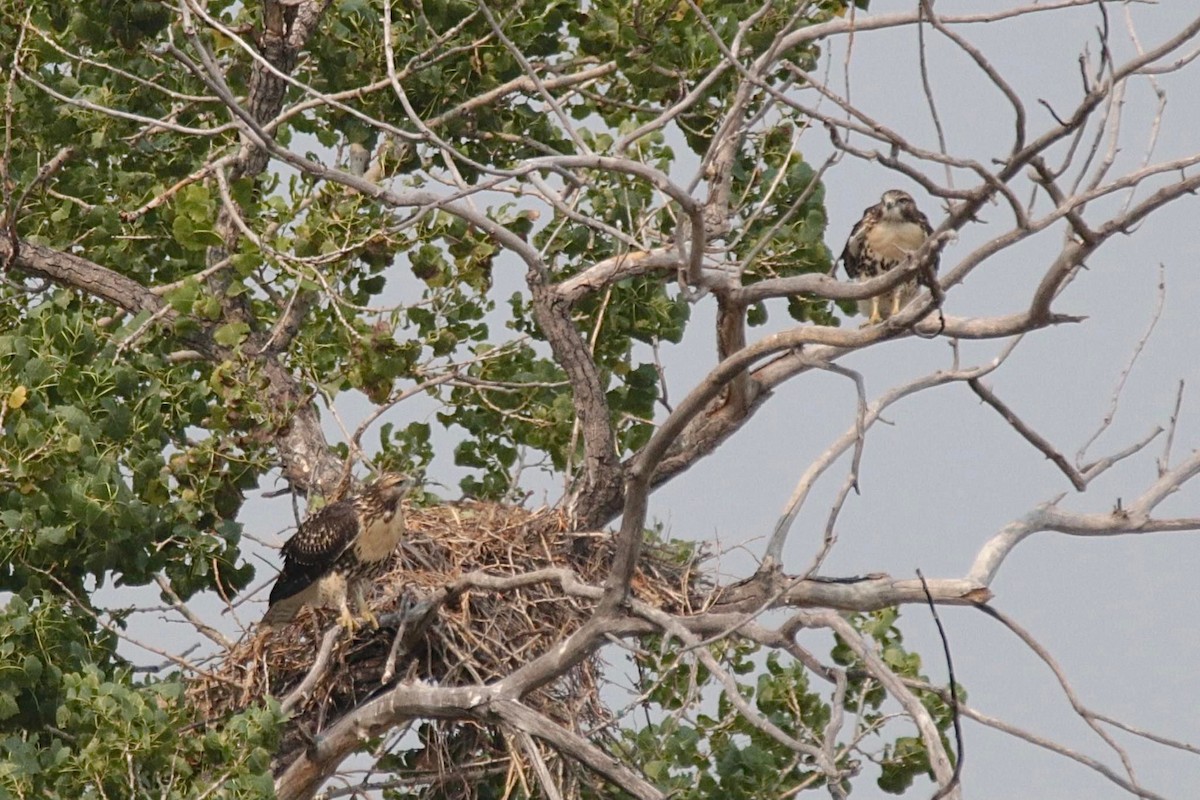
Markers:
point(337, 549)
point(887, 233)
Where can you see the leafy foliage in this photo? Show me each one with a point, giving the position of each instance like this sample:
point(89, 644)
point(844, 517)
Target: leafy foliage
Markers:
point(71, 713)
point(694, 752)
point(904, 758)
point(125, 454)
point(95, 492)
point(325, 240)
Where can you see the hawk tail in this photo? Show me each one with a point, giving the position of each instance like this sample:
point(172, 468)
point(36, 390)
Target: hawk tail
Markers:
point(283, 612)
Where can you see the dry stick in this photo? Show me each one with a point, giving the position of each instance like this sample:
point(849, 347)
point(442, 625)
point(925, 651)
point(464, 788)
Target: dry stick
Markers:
point(894, 685)
point(1044, 177)
point(848, 58)
point(860, 421)
point(148, 668)
point(837, 704)
point(958, 737)
point(12, 206)
point(120, 633)
point(150, 122)
point(548, 194)
point(851, 480)
point(317, 671)
point(1164, 463)
point(1039, 741)
point(1094, 468)
point(563, 119)
point(1159, 92)
point(784, 219)
point(1019, 117)
point(1030, 435)
point(1114, 110)
point(926, 13)
point(9, 219)
point(317, 99)
point(413, 625)
point(417, 779)
point(450, 155)
point(200, 625)
point(1083, 711)
point(48, 169)
point(1109, 124)
point(1124, 376)
point(515, 776)
point(524, 719)
point(539, 766)
point(168, 193)
point(716, 166)
point(855, 436)
point(1163, 740)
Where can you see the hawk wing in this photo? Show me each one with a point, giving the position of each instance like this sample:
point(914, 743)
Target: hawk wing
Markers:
point(936, 255)
point(852, 253)
point(312, 552)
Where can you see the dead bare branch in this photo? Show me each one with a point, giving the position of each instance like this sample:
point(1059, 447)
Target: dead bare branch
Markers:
point(1029, 434)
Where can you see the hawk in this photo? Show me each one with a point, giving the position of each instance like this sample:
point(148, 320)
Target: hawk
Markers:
point(337, 551)
point(888, 232)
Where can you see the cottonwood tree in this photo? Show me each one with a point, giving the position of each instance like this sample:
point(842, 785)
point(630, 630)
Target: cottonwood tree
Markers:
point(241, 241)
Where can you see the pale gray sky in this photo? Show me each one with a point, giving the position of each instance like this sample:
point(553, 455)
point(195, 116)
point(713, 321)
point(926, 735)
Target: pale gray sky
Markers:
point(1118, 614)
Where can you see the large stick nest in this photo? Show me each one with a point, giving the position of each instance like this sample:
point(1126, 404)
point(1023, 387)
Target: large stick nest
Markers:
point(471, 638)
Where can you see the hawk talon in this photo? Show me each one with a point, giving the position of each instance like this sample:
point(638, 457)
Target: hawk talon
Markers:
point(352, 623)
point(370, 618)
point(364, 610)
point(347, 621)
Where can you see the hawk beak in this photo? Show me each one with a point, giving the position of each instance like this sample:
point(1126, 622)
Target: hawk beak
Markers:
point(392, 486)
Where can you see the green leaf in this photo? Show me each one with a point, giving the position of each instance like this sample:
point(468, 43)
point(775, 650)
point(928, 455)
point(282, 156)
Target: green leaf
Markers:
point(183, 296)
point(231, 334)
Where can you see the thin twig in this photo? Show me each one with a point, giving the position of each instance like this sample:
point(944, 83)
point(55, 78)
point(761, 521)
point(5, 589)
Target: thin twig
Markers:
point(1164, 462)
point(958, 736)
point(1030, 435)
point(1155, 316)
point(926, 9)
point(316, 672)
point(1083, 711)
point(200, 625)
point(539, 766)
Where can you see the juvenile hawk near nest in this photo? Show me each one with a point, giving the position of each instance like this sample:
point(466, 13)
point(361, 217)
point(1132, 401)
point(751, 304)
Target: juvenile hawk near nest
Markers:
point(888, 232)
point(338, 550)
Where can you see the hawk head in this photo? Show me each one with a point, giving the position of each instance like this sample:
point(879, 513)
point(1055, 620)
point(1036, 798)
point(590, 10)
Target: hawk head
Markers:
point(391, 487)
point(898, 206)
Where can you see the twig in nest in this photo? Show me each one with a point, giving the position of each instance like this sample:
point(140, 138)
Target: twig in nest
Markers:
point(412, 625)
point(315, 673)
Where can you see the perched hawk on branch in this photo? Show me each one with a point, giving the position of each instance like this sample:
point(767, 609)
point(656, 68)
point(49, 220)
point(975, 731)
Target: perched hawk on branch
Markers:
point(337, 551)
point(888, 232)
